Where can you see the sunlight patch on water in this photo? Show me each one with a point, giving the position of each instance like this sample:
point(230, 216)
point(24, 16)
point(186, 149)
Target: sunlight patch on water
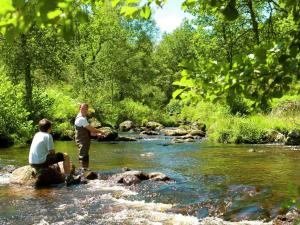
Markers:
point(218, 221)
point(139, 212)
point(104, 185)
point(131, 216)
point(147, 154)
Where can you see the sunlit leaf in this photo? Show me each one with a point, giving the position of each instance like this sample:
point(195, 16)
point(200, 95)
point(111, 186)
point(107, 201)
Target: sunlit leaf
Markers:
point(184, 82)
point(114, 3)
point(145, 12)
point(6, 5)
point(188, 3)
point(132, 1)
point(53, 14)
point(184, 73)
point(177, 93)
point(129, 11)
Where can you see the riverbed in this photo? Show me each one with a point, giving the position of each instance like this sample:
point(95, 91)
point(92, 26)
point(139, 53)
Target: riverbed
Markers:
point(232, 182)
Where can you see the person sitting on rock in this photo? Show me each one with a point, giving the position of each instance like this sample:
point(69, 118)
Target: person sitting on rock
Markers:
point(42, 153)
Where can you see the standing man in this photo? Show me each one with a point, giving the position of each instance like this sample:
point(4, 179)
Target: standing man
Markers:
point(83, 131)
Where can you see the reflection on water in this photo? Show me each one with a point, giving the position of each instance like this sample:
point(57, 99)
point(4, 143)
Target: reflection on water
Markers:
point(235, 182)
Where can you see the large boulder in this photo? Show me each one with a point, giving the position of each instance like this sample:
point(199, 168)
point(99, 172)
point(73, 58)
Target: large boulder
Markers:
point(126, 125)
point(109, 134)
point(94, 122)
point(129, 177)
point(67, 135)
point(154, 126)
point(123, 138)
point(273, 136)
point(158, 176)
point(293, 137)
point(7, 169)
point(175, 132)
point(198, 126)
point(134, 177)
point(291, 218)
point(28, 175)
point(197, 133)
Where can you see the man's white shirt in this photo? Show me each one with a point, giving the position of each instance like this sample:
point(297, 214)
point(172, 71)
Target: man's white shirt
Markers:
point(41, 144)
point(81, 121)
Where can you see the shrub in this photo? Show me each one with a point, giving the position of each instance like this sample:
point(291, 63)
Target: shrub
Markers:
point(135, 111)
point(64, 107)
point(205, 112)
point(238, 105)
point(42, 105)
point(14, 123)
point(174, 107)
point(248, 130)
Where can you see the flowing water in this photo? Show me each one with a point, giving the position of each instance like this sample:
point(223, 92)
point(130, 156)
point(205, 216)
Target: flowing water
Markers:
point(232, 182)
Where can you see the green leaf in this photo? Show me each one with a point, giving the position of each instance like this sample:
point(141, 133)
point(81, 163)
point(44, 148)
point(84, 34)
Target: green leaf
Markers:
point(53, 14)
point(82, 16)
point(6, 5)
point(132, 1)
point(18, 3)
point(260, 55)
point(128, 11)
point(63, 5)
point(114, 3)
point(160, 3)
point(184, 73)
point(177, 92)
point(184, 82)
point(145, 12)
point(188, 3)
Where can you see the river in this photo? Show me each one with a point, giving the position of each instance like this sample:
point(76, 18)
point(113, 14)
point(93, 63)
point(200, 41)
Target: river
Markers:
point(232, 182)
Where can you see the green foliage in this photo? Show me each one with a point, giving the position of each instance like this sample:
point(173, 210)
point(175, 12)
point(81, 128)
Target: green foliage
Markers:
point(238, 130)
point(288, 107)
point(64, 107)
point(152, 96)
point(229, 63)
point(232, 60)
point(250, 129)
point(14, 123)
point(19, 16)
point(174, 107)
point(129, 109)
point(61, 130)
point(170, 52)
point(205, 112)
point(238, 105)
point(135, 111)
point(42, 105)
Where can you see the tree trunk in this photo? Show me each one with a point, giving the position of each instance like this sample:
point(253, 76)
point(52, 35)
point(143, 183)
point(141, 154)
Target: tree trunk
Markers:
point(254, 22)
point(27, 74)
point(228, 48)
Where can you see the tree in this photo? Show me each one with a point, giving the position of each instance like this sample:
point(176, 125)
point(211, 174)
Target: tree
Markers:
point(169, 53)
point(259, 70)
point(34, 58)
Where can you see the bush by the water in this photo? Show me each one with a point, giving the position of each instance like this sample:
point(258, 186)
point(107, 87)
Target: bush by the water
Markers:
point(14, 124)
point(227, 128)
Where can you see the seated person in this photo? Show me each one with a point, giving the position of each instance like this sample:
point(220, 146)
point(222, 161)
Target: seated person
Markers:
point(42, 153)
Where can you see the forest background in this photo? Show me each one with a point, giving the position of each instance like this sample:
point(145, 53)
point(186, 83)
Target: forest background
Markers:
point(234, 67)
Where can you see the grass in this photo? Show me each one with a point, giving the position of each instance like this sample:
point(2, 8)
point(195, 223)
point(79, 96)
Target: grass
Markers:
point(226, 128)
